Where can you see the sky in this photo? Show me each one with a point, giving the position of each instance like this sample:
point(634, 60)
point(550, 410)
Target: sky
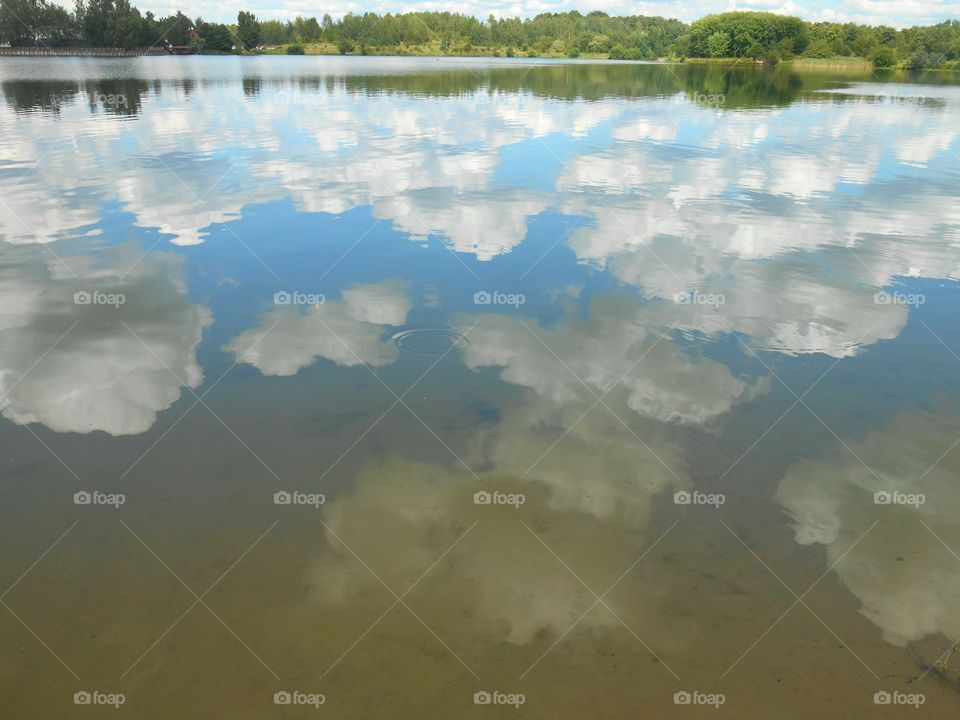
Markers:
point(898, 13)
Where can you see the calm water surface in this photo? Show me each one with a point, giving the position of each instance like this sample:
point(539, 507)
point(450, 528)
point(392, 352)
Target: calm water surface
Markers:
point(391, 382)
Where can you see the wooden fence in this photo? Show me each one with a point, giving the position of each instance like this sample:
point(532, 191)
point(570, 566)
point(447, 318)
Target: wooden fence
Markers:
point(77, 52)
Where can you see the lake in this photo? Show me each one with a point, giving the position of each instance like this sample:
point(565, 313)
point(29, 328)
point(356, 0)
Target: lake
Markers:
point(462, 388)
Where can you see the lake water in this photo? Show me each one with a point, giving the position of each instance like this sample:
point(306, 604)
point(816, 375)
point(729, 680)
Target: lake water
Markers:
point(466, 389)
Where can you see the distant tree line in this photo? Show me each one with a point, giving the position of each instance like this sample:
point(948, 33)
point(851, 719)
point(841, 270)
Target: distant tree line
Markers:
point(767, 36)
point(749, 35)
point(571, 33)
point(106, 23)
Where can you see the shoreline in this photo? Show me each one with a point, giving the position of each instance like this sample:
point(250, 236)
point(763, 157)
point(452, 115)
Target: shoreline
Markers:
point(79, 52)
point(328, 50)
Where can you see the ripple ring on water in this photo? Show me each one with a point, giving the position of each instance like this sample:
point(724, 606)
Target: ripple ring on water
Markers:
point(429, 341)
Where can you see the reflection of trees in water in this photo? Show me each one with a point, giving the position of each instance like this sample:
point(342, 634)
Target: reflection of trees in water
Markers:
point(565, 81)
point(45, 95)
point(311, 84)
point(740, 86)
point(117, 96)
point(185, 85)
point(716, 85)
point(749, 86)
point(252, 86)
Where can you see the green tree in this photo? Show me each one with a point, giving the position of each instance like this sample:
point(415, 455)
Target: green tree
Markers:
point(248, 30)
point(34, 22)
point(924, 59)
point(311, 30)
point(819, 49)
point(718, 45)
point(774, 33)
point(175, 30)
point(884, 58)
point(109, 23)
point(18, 18)
point(274, 32)
point(216, 37)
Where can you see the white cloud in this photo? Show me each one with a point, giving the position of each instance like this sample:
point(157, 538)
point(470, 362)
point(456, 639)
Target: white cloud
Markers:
point(745, 223)
point(665, 385)
point(905, 578)
point(348, 332)
point(99, 375)
point(400, 517)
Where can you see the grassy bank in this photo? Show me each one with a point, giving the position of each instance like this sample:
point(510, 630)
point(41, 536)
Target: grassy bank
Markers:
point(437, 49)
point(839, 63)
point(835, 63)
point(429, 49)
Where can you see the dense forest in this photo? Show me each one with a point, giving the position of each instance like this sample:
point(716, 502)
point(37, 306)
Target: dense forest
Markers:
point(766, 36)
point(758, 36)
